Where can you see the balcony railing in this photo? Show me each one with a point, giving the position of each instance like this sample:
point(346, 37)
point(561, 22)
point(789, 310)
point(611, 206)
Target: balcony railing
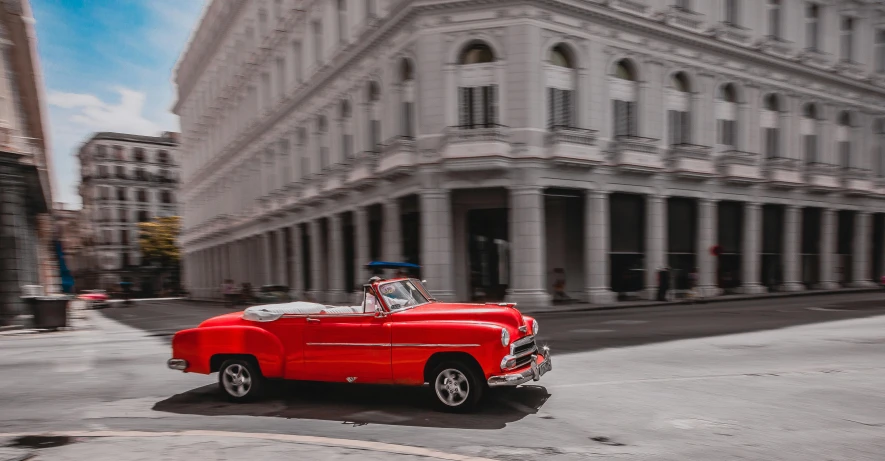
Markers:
point(636, 154)
point(569, 134)
point(683, 18)
point(477, 133)
point(737, 166)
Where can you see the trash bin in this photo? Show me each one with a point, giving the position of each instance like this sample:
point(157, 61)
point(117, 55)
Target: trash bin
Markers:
point(50, 312)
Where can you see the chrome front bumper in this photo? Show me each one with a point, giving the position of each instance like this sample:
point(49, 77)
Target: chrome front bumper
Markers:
point(533, 373)
point(177, 364)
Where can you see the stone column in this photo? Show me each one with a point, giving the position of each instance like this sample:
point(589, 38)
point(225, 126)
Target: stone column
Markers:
point(656, 243)
point(281, 272)
point(336, 260)
point(791, 256)
point(297, 281)
point(361, 253)
point(707, 229)
point(436, 242)
point(860, 260)
point(596, 247)
point(528, 250)
point(828, 250)
point(751, 248)
point(393, 245)
point(267, 276)
point(317, 261)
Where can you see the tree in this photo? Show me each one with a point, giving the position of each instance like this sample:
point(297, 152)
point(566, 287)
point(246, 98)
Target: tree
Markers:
point(159, 245)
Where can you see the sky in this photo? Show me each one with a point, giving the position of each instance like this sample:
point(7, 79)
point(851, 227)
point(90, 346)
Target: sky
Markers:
point(107, 66)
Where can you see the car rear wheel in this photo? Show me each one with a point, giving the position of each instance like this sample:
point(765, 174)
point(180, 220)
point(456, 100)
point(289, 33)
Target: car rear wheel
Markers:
point(240, 380)
point(457, 387)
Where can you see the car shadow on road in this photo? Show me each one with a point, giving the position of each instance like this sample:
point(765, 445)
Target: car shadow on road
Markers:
point(361, 405)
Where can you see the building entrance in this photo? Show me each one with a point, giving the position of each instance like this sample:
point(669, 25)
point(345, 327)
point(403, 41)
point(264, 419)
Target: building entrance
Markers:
point(488, 248)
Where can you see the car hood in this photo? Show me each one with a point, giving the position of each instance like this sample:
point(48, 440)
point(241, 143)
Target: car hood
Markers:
point(504, 315)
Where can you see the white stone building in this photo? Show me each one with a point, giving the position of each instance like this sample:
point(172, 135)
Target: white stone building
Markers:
point(27, 255)
point(495, 142)
point(126, 179)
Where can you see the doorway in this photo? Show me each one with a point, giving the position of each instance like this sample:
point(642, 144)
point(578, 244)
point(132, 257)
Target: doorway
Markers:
point(488, 248)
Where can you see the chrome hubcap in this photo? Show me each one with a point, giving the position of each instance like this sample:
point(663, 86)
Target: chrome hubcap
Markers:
point(452, 387)
point(237, 380)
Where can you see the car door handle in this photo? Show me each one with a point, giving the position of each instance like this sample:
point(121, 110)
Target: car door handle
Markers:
point(310, 320)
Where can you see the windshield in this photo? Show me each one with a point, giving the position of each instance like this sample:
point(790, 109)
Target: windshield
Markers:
point(402, 294)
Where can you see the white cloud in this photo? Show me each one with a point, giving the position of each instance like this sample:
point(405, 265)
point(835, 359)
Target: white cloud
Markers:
point(89, 111)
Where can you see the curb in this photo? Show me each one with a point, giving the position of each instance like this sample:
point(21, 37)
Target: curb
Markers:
point(11, 328)
point(377, 447)
point(710, 300)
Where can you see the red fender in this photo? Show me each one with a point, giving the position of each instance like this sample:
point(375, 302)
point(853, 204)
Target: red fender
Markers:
point(198, 345)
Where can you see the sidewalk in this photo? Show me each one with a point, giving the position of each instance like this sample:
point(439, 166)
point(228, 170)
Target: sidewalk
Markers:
point(582, 307)
point(204, 445)
point(78, 319)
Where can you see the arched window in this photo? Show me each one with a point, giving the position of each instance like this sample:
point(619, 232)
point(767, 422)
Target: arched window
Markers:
point(623, 88)
point(560, 79)
point(679, 109)
point(344, 113)
point(808, 129)
point(726, 115)
point(477, 87)
point(771, 122)
point(843, 139)
point(407, 79)
point(322, 134)
point(373, 98)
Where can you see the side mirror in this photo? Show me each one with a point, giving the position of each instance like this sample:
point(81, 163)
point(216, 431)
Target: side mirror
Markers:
point(379, 312)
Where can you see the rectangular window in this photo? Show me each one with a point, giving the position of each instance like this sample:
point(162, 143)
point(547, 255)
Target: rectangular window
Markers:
point(680, 127)
point(375, 135)
point(281, 77)
point(324, 157)
point(625, 118)
point(880, 51)
point(731, 12)
point(774, 19)
point(771, 143)
point(478, 107)
point(847, 39)
point(297, 61)
point(347, 146)
point(559, 108)
point(845, 154)
point(727, 133)
point(342, 21)
point(683, 4)
point(370, 9)
point(408, 110)
point(811, 149)
point(812, 26)
point(318, 43)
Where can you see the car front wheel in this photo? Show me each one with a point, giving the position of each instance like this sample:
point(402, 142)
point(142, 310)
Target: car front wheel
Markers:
point(240, 380)
point(457, 387)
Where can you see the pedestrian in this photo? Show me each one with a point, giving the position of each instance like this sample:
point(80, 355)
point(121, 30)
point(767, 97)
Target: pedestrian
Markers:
point(559, 285)
point(227, 290)
point(693, 284)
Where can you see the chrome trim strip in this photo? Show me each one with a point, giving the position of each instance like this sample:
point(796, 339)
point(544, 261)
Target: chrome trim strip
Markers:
point(392, 345)
point(533, 373)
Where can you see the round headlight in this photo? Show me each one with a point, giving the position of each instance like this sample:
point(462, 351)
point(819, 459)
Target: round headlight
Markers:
point(505, 337)
point(534, 327)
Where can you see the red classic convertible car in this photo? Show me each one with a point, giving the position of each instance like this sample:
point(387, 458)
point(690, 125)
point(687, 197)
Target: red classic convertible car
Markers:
point(399, 335)
point(95, 298)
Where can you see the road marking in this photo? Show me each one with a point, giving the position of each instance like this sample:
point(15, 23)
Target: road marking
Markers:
point(302, 439)
point(589, 330)
point(625, 322)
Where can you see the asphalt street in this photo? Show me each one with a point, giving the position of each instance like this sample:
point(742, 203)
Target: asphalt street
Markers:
point(789, 378)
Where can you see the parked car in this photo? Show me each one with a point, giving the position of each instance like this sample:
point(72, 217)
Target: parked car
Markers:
point(96, 298)
point(398, 335)
point(271, 294)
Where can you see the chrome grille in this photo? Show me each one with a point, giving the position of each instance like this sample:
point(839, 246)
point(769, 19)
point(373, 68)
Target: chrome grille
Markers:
point(523, 349)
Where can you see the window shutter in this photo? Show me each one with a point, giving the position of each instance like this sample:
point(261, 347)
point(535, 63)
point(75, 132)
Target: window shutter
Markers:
point(493, 104)
point(672, 122)
point(632, 129)
point(811, 148)
point(463, 104)
point(551, 107)
point(567, 108)
point(686, 127)
point(620, 122)
point(845, 153)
